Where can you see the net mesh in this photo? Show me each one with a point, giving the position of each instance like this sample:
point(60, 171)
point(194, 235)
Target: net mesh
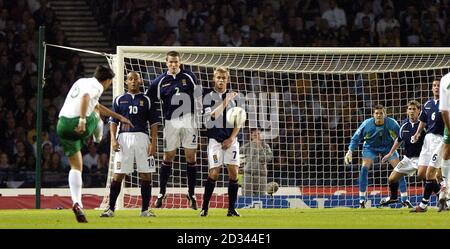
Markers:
point(308, 107)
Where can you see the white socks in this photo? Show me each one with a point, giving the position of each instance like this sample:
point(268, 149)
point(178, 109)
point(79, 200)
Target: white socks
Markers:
point(445, 169)
point(75, 184)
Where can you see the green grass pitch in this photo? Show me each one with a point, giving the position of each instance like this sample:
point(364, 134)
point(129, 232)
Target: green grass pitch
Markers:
point(251, 218)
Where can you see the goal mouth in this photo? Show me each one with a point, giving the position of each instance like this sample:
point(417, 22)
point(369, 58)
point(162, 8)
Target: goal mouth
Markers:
point(307, 103)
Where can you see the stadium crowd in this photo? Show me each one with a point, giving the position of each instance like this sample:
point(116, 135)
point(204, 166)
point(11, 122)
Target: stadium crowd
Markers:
point(301, 23)
point(193, 23)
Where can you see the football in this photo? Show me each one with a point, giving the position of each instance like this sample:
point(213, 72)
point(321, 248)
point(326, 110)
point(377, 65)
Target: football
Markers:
point(272, 188)
point(236, 116)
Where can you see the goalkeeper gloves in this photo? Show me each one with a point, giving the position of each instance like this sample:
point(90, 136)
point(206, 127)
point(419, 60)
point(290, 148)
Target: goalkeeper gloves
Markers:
point(348, 157)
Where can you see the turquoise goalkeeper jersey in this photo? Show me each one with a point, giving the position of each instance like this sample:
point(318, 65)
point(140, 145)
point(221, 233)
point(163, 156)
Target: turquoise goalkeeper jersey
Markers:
point(378, 138)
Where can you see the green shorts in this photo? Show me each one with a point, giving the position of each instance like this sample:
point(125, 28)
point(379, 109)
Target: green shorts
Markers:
point(446, 138)
point(70, 140)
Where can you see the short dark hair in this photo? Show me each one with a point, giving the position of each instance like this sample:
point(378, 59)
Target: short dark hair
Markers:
point(378, 107)
point(173, 54)
point(103, 73)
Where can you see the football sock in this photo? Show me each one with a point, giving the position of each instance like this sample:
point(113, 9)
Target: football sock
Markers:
point(75, 184)
point(424, 203)
point(402, 185)
point(403, 189)
point(210, 184)
point(146, 193)
point(429, 186)
point(114, 191)
point(436, 187)
point(191, 177)
point(232, 193)
point(445, 169)
point(393, 187)
point(363, 180)
point(404, 197)
point(164, 174)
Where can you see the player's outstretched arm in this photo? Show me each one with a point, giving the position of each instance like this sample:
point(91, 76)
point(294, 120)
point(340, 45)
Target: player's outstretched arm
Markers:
point(107, 112)
point(354, 143)
point(113, 132)
point(416, 136)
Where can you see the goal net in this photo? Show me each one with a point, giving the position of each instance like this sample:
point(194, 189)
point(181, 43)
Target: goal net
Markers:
point(307, 103)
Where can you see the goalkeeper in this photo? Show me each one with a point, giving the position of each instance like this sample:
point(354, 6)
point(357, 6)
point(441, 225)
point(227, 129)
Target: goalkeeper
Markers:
point(378, 134)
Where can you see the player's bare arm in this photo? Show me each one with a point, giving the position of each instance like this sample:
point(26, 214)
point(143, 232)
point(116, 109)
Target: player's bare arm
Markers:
point(153, 140)
point(229, 141)
point(81, 128)
point(445, 118)
point(113, 131)
point(419, 131)
point(107, 112)
point(391, 152)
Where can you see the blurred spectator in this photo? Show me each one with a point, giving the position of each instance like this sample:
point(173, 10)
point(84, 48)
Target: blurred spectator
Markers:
point(197, 18)
point(266, 40)
point(76, 65)
point(257, 154)
point(47, 151)
point(90, 159)
point(407, 16)
point(366, 12)
point(175, 13)
point(4, 162)
point(335, 16)
point(379, 6)
point(171, 40)
point(388, 22)
point(278, 34)
point(20, 156)
point(236, 39)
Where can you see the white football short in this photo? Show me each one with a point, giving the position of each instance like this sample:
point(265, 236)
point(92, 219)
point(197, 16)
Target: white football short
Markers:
point(133, 148)
point(407, 166)
point(180, 132)
point(218, 157)
point(429, 154)
point(436, 158)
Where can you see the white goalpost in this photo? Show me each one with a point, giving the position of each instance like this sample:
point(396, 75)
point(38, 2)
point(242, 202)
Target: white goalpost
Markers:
point(307, 103)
